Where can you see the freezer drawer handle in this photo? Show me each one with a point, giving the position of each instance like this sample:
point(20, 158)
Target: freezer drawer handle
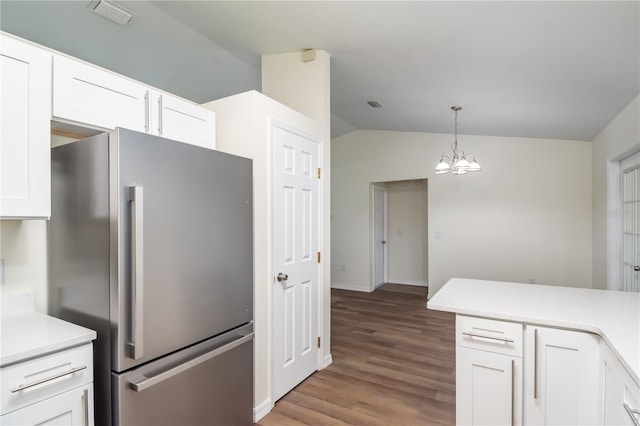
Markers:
point(48, 379)
point(136, 346)
point(148, 382)
point(632, 413)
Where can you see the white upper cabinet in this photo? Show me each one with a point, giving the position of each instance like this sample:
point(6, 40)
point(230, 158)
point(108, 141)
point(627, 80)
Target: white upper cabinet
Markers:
point(177, 119)
point(25, 114)
point(90, 96)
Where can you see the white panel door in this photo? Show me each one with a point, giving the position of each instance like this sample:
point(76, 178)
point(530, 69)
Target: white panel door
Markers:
point(295, 262)
point(631, 223)
point(379, 242)
point(561, 377)
point(25, 141)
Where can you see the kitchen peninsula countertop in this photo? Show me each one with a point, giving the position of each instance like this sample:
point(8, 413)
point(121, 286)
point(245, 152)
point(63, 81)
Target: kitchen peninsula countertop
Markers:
point(613, 315)
point(26, 334)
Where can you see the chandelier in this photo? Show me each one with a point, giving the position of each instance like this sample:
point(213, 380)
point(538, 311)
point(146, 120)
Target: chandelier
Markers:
point(457, 164)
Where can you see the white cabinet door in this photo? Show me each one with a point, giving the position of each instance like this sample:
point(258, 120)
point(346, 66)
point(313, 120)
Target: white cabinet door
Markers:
point(630, 398)
point(177, 119)
point(25, 142)
point(562, 377)
point(74, 407)
point(94, 97)
point(489, 388)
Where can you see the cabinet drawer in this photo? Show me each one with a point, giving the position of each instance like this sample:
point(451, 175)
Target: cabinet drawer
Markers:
point(489, 335)
point(74, 407)
point(32, 381)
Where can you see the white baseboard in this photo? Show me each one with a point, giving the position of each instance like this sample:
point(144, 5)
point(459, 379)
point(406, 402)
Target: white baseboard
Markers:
point(327, 361)
point(262, 410)
point(350, 287)
point(408, 282)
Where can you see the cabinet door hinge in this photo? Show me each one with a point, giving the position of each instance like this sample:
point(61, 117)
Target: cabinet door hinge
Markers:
point(318, 341)
point(318, 257)
point(319, 172)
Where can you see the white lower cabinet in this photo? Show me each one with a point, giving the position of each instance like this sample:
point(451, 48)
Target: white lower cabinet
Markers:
point(621, 395)
point(74, 407)
point(561, 377)
point(489, 388)
point(488, 372)
point(551, 377)
point(53, 389)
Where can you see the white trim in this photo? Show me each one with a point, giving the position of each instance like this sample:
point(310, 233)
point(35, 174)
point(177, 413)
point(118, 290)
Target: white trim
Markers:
point(385, 225)
point(614, 221)
point(351, 287)
point(262, 410)
point(327, 361)
point(408, 282)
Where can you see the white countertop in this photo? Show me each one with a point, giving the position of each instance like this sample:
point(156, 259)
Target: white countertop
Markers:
point(25, 333)
point(613, 315)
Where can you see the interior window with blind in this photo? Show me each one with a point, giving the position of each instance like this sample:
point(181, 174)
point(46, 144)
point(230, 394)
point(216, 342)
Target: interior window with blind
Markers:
point(631, 223)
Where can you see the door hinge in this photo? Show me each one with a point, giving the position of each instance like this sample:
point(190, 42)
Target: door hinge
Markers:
point(318, 341)
point(318, 257)
point(319, 172)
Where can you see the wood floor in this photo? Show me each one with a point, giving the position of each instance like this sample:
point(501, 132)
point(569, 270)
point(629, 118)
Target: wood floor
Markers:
point(393, 364)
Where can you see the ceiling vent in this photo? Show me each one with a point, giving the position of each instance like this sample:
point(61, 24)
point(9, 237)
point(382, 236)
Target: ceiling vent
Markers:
point(113, 12)
point(374, 104)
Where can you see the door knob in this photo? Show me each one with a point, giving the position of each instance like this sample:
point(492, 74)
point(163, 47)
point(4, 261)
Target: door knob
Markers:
point(282, 277)
point(384, 242)
point(636, 268)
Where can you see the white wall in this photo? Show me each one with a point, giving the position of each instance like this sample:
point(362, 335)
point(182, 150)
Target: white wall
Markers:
point(619, 139)
point(527, 215)
point(407, 232)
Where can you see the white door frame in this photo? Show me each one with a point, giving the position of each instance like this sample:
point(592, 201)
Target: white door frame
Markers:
point(320, 208)
point(374, 187)
point(614, 221)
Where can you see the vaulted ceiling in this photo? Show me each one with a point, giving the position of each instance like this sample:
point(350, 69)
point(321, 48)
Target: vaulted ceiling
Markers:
point(545, 69)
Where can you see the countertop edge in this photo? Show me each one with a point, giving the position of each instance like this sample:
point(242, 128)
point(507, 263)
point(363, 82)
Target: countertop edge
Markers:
point(57, 336)
point(551, 322)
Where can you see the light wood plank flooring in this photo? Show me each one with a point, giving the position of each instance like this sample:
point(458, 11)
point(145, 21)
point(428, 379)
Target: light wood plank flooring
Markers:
point(393, 364)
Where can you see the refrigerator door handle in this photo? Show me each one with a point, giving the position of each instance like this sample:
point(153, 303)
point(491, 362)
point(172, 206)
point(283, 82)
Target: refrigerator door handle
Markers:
point(136, 346)
point(148, 382)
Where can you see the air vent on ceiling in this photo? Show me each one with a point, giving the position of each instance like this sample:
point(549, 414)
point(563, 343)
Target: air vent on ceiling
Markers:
point(374, 104)
point(113, 12)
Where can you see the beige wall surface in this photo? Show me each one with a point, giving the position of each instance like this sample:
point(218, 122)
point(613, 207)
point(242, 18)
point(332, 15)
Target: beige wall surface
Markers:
point(526, 217)
point(618, 140)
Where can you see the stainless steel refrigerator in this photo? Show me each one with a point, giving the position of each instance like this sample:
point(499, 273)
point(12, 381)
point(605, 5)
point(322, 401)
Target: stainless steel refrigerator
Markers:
point(151, 245)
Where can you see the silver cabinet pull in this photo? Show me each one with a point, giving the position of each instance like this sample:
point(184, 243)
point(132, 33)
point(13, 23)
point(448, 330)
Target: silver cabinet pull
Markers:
point(513, 396)
point(48, 379)
point(160, 112)
point(85, 407)
point(632, 413)
point(148, 382)
point(535, 363)
point(147, 106)
point(483, 336)
point(136, 347)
